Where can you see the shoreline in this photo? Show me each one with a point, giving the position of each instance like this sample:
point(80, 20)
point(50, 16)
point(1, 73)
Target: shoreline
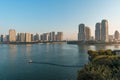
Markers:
point(92, 43)
point(32, 42)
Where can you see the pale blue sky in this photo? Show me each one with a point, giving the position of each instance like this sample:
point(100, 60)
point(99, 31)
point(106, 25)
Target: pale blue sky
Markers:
point(38, 16)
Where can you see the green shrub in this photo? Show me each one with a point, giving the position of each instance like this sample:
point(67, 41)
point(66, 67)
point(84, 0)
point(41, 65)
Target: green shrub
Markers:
point(104, 65)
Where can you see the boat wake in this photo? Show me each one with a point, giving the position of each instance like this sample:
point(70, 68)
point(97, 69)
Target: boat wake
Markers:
point(54, 64)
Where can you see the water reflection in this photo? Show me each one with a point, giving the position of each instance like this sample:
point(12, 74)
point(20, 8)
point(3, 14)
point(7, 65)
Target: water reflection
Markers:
point(83, 52)
point(98, 47)
point(12, 49)
point(28, 51)
point(28, 48)
point(84, 48)
point(14, 57)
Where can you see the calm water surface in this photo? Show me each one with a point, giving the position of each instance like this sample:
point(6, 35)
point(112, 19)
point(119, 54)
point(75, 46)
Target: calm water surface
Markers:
point(14, 61)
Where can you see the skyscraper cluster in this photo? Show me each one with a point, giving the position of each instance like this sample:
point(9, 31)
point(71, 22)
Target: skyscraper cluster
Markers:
point(52, 36)
point(28, 37)
point(101, 32)
point(84, 33)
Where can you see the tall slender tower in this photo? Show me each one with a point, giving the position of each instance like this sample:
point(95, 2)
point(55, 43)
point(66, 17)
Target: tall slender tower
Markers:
point(104, 30)
point(98, 32)
point(82, 33)
point(88, 33)
point(12, 35)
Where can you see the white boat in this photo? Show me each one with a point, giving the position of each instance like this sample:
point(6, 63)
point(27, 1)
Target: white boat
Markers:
point(30, 61)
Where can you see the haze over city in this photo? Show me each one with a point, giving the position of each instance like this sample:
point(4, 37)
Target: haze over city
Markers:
point(59, 39)
point(39, 16)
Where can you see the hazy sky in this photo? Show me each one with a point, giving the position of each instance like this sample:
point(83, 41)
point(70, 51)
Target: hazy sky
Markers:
point(57, 15)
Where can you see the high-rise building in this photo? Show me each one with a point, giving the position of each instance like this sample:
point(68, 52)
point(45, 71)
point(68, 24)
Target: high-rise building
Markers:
point(52, 36)
point(45, 36)
point(41, 37)
point(12, 35)
point(88, 33)
point(59, 36)
point(22, 37)
point(98, 32)
point(92, 38)
point(104, 31)
point(27, 37)
point(7, 38)
point(32, 37)
point(111, 38)
point(116, 35)
point(18, 37)
point(49, 38)
point(36, 37)
point(82, 33)
point(2, 38)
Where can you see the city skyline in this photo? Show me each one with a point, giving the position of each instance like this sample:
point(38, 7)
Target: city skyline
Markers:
point(39, 16)
point(15, 36)
point(101, 33)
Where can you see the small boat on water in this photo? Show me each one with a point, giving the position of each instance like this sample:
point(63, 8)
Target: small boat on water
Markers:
point(30, 61)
